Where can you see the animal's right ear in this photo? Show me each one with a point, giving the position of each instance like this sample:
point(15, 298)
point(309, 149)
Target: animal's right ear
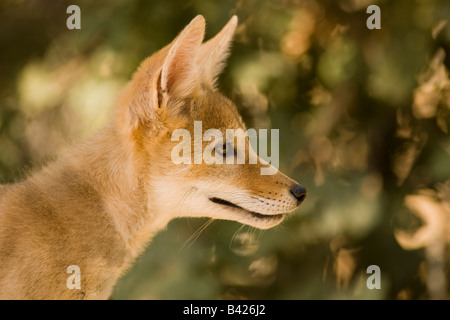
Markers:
point(212, 55)
point(171, 72)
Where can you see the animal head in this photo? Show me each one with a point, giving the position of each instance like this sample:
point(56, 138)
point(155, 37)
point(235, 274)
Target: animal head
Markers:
point(192, 144)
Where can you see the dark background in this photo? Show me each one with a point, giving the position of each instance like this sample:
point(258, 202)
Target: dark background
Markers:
point(363, 118)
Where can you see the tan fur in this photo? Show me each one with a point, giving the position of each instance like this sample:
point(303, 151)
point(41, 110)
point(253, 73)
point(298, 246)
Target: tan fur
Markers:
point(99, 205)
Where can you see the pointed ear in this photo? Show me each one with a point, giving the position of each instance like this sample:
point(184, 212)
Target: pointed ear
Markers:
point(212, 54)
point(170, 72)
point(178, 74)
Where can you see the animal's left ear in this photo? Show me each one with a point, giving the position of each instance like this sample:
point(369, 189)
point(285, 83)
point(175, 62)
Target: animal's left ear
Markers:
point(212, 54)
point(178, 76)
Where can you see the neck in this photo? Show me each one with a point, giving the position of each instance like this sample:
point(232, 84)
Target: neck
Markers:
point(113, 167)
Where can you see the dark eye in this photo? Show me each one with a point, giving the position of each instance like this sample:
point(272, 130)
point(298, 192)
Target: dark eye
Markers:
point(226, 149)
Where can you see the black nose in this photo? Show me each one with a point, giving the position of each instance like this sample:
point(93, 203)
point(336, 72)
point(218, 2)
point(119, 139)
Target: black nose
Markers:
point(299, 193)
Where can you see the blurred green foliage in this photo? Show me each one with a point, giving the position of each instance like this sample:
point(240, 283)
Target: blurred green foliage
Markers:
point(363, 118)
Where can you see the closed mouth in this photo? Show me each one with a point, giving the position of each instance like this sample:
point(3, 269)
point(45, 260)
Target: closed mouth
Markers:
point(252, 213)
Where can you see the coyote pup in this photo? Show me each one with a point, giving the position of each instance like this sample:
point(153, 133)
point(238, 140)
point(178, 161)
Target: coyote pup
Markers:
point(98, 206)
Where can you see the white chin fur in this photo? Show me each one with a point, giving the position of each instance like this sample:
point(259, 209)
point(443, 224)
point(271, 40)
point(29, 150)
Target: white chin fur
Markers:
point(190, 201)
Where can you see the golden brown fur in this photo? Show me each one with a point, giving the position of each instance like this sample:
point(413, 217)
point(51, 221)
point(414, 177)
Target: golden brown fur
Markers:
point(98, 206)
